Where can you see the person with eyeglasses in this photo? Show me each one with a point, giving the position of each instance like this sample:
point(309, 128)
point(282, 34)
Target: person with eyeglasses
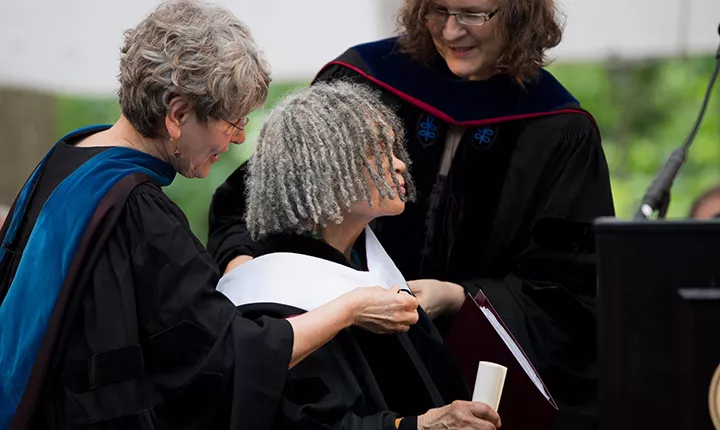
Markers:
point(109, 313)
point(510, 174)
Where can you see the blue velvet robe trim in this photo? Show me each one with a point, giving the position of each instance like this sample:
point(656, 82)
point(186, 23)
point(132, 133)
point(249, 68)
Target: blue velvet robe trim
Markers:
point(49, 252)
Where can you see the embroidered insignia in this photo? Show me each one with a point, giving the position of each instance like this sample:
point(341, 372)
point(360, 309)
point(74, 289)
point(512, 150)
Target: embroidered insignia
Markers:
point(483, 137)
point(427, 130)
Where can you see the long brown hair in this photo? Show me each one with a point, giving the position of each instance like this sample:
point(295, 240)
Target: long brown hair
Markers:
point(527, 29)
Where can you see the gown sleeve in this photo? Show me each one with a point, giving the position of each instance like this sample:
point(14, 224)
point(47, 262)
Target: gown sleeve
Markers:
point(331, 390)
point(334, 387)
point(548, 298)
point(203, 364)
point(228, 236)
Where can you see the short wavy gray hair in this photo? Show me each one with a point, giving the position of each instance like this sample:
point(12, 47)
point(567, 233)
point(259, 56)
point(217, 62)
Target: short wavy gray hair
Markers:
point(192, 49)
point(312, 156)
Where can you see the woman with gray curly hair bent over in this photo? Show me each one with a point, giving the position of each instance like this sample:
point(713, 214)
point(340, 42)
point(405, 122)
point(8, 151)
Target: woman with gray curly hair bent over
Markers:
point(329, 160)
point(109, 313)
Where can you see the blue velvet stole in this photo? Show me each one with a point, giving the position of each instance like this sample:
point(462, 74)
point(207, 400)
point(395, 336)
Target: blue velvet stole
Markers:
point(49, 252)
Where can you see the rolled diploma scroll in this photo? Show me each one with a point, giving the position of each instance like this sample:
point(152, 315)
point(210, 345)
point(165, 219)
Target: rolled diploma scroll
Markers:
point(489, 384)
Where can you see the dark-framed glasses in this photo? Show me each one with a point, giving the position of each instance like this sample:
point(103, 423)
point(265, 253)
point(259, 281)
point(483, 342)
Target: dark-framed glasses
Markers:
point(475, 19)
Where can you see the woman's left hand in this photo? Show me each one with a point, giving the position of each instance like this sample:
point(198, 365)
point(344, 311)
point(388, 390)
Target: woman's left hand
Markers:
point(438, 297)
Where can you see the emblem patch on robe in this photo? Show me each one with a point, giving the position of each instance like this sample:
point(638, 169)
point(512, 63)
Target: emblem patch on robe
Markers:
point(428, 130)
point(483, 137)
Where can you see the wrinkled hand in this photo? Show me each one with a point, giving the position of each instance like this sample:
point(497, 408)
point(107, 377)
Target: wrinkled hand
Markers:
point(384, 311)
point(460, 415)
point(438, 297)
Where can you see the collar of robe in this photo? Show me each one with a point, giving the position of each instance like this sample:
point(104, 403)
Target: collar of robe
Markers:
point(461, 102)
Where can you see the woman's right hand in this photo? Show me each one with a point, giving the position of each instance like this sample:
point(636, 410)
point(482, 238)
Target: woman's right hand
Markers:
point(460, 415)
point(383, 311)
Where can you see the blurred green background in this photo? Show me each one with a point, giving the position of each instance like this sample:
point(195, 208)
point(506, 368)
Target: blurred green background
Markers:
point(644, 110)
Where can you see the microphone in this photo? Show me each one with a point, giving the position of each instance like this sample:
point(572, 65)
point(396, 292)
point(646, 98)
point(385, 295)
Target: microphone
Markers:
point(657, 196)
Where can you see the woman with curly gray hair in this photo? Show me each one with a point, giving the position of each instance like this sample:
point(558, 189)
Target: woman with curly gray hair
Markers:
point(329, 160)
point(510, 173)
point(313, 155)
point(109, 313)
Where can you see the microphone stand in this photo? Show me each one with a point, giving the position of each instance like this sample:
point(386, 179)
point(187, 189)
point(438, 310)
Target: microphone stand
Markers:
point(657, 196)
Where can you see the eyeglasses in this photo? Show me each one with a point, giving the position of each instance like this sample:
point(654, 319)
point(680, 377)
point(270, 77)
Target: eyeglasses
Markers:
point(233, 129)
point(464, 18)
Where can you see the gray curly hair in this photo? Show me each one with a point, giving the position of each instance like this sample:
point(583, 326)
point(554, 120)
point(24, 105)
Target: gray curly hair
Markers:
point(192, 49)
point(313, 153)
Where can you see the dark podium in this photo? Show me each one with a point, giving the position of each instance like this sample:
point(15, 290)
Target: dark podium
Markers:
point(659, 323)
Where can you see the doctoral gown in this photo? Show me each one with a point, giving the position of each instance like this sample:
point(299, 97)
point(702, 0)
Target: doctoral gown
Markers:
point(509, 180)
point(138, 337)
point(360, 380)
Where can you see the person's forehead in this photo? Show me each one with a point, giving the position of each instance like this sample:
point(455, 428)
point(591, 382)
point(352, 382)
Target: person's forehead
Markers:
point(464, 4)
point(710, 205)
point(712, 200)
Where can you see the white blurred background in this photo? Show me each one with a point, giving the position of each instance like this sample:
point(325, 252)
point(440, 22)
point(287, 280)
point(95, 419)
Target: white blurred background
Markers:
point(72, 45)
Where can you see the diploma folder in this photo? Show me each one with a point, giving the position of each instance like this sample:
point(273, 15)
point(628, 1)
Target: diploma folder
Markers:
point(479, 334)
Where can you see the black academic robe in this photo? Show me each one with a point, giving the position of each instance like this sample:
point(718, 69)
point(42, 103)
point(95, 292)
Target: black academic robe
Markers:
point(360, 380)
point(139, 337)
point(512, 217)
